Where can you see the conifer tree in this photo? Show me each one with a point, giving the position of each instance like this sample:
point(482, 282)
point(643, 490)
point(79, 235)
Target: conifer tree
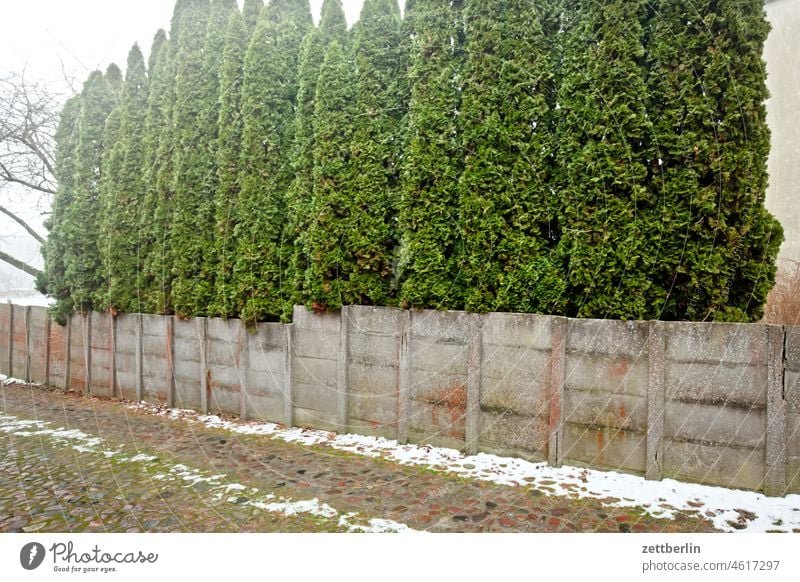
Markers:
point(83, 273)
point(53, 280)
point(196, 122)
point(509, 210)
point(228, 158)
point(706, 82)
point(428, 265)
point(269, 95)
point(122, 193)
point(334, 276)
point(157, 157)
point(250, 12)
point(604, 140)
point(333, 26)
point(376, 148)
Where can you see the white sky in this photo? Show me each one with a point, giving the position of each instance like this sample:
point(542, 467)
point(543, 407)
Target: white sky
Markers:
point(88, 34)
point(53, 40)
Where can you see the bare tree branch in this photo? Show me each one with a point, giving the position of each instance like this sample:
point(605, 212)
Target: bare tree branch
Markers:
point(22, 223)
point(22, 266)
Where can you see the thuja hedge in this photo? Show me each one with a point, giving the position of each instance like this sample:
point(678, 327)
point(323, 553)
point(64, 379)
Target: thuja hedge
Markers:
point(568, 157)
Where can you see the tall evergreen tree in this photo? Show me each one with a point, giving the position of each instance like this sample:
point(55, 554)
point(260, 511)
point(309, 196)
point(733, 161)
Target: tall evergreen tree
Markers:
point(122, 193)
point(333, 26)
point(157, 159)
point(604, 140)
point(334, 276)
point(53, 281)
point(250, 12)
point(228, 158)
point(706, 82)
point(509, 210)
point(83, 272)
point(430, 247)
point(377, 147)
point(269, 96)
point(196, 122)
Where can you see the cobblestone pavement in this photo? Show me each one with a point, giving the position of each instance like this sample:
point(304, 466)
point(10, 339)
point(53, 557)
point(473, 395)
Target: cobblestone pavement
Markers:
point(73, 463)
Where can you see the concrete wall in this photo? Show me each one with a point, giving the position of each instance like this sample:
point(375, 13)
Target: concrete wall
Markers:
point(709, 403)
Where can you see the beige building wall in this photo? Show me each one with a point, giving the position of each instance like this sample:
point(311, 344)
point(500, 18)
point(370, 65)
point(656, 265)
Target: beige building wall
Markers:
point(782, 54)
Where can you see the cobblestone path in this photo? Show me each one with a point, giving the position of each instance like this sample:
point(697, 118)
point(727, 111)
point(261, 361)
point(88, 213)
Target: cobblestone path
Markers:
point(73, 463)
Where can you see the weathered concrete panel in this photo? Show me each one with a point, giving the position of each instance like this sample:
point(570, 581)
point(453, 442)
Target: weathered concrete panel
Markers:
point(513, 433)
point(313, 344)
point(269, 337)
point(791, 390)
point(153, 325)
point(126, 375)
point(601, 409)
point(375, 411)
point(433, 356)
point(5, 323)
point(729, 343)
point(713, 464)
point(379, 350)
point(315, 397)
point(715, 424)
point(155, 378)
point(20, 342)
point(373, 380)
point(154, 346)
point(315, 372)
point(38, 339)
point(58, 354)
point(223, 401)
point(268, 408)
point(437, 414)
point(517, 396)
point(793, 434)
point(375, 320)
point(717, 383)
point(517, 330)
point(605, 448)
point(792, 343)
point(606, 336)
point(224, 330)
point(316, 322)
point(620, 375)
point(793, 475)
point(451, 326)
point(515, 363)
point(315, 419)
point(222, 352)
point(77, 365)
point(370, 428)
point(101, 330)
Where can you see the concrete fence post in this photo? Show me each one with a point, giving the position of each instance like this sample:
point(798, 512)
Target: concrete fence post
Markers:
point(556, 381)
point(139, 357)
point(404, 378)
point(170, 324)
point(48, 330)
point(87, 351)
point(10, 339)
point(288, 376)
point(341, 369)
point(202, 335)
point(474, 360)
point(244, 365)
point(113, 347)
point(775, 478)
point(27, 322)
point(68, 354)
point(656, 399)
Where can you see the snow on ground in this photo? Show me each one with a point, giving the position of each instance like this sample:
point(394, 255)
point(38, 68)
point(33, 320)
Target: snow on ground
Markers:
point(218, 488)
point(727, 509)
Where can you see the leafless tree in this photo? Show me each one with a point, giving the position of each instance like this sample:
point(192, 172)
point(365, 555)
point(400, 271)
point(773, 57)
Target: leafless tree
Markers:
point(29, 112)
